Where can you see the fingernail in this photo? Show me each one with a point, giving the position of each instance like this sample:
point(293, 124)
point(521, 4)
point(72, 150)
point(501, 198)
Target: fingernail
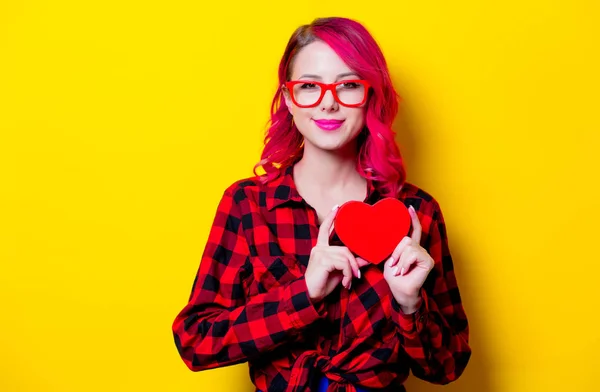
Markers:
point(402, 271)
point(395, 270)
point(411, 208)
point(349, 285)
point(390, 262)
point(358, 274)
point(335, 207)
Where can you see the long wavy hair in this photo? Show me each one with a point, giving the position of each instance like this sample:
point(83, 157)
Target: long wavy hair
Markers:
point(378, 157)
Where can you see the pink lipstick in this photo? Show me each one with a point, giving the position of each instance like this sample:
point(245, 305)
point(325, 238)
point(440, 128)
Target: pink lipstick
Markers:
point(329, 125)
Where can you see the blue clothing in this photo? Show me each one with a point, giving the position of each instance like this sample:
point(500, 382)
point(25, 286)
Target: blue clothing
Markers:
point(324, 383)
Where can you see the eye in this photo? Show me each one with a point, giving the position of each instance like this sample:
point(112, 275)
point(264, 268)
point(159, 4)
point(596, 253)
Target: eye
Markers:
point(308, 85)
point(350, 85)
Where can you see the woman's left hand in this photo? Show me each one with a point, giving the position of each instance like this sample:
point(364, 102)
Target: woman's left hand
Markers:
point(408, 267)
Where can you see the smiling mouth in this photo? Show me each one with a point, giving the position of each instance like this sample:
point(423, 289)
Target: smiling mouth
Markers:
point(329, 125)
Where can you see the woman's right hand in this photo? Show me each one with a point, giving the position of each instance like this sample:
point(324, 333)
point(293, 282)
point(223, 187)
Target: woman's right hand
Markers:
point(328, 265)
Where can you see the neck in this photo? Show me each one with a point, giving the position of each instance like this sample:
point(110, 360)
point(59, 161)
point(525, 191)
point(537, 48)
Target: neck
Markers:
point(328, 169)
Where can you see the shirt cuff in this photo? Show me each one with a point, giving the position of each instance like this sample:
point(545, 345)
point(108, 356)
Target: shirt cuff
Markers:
point(413, 323)
point(298, 305)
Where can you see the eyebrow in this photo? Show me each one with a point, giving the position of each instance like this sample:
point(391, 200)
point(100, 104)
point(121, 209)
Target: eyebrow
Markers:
point(342, 75)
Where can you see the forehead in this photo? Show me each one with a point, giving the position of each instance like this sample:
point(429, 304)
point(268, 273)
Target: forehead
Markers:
point(319, 59)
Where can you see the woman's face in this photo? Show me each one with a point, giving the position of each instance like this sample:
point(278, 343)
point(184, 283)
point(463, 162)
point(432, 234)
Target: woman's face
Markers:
point(318, 62)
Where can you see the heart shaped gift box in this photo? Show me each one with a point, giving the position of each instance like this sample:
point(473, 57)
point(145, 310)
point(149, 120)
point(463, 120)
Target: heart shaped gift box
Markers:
point(372, 232)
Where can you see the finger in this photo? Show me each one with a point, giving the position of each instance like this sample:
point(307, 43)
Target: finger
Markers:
point(342, 264)
point(361, 262)
point(353, 262)
point(416, 234)
point(408, 258)
point(406, 241)
point(324, 230)
point(339, 263)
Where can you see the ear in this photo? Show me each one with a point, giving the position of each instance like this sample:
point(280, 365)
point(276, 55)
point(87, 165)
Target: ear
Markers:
point(287, 98)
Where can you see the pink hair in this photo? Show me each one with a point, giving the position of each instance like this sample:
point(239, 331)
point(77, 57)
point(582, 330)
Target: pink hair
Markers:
point(379, 158)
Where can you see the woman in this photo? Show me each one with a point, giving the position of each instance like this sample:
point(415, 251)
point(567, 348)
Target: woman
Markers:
point(275, 291)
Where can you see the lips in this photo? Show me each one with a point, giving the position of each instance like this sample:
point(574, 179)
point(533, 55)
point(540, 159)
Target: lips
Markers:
point(329, 125)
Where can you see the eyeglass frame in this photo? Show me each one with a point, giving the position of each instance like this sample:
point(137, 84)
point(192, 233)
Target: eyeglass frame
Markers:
point(324, 88)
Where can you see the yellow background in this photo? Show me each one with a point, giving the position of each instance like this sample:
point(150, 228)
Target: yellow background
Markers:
point(121, 123)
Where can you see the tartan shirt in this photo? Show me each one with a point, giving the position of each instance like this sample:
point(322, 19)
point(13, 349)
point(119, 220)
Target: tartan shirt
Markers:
point(249, 301)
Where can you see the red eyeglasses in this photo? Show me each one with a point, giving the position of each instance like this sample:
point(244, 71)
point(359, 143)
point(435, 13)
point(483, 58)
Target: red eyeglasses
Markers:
point(308, 93)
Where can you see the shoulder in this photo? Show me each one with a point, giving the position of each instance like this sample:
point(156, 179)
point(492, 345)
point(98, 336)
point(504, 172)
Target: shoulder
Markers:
point(428, 210)
point(421, 199)
point(244, 188)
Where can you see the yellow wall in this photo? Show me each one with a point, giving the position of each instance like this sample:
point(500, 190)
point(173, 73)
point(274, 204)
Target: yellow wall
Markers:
point(122, 122)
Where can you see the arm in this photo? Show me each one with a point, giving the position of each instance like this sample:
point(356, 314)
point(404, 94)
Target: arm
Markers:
point(436, 336)
point(220, 326)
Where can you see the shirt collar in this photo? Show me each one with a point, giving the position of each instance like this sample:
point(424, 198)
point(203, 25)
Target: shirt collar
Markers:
point(283, 189)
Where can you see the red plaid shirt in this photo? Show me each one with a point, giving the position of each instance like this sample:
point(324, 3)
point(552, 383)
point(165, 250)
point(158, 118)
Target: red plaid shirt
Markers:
point(249, 301)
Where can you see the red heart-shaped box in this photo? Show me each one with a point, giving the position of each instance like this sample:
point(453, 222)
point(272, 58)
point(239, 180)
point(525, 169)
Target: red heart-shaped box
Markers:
point(372, 231)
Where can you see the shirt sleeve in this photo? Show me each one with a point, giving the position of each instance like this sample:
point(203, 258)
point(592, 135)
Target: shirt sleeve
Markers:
point(220, 326)
point(436, 336)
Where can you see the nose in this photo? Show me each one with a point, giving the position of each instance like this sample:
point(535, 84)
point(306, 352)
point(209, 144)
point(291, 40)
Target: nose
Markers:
point(328, 102)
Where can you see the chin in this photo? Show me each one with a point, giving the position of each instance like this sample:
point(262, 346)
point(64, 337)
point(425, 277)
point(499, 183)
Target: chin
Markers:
point(328, 145)
point(329, 140)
